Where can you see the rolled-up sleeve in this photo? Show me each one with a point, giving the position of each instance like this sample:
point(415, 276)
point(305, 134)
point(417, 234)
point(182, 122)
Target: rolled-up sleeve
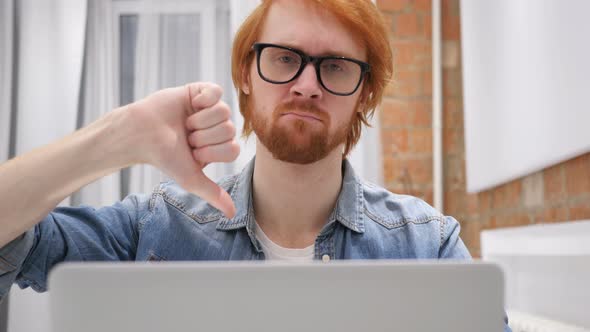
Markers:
point(12, 258)
point(72, 234)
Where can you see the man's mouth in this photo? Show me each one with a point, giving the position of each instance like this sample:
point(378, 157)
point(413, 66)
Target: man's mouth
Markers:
point(304, 115)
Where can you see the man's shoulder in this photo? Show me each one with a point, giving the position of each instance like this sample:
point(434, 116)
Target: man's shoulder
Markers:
point(393, 210)
point(192, 205)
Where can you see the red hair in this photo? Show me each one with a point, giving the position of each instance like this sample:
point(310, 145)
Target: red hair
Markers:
point(367, 26)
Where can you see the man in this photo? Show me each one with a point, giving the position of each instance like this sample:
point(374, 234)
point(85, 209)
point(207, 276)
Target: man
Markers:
point(308, 74)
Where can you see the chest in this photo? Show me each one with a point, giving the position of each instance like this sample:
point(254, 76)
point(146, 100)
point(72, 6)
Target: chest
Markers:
point(184, 239)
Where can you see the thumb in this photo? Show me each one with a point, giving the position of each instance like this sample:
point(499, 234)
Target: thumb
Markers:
point(191, 178)
point(202, 186)
point(203, 95)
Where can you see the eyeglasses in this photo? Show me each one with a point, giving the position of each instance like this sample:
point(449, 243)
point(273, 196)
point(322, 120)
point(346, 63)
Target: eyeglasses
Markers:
point(338, 75)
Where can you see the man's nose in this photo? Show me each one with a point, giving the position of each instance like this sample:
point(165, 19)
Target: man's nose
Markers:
point(307, 84)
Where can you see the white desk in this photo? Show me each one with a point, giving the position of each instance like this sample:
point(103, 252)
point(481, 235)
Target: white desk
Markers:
point(547, 269)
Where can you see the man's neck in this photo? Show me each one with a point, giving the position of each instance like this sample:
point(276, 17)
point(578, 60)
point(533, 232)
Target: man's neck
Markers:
point(293, 202)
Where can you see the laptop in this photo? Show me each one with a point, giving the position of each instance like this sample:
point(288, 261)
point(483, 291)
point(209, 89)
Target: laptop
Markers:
point(342, 296)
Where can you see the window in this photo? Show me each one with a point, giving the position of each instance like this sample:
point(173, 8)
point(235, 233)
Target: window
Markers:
point(160, 44)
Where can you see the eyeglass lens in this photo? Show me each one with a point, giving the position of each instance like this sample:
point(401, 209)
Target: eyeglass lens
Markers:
point(337, 75)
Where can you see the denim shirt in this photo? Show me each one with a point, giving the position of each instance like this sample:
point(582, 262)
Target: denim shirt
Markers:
point(368, 222)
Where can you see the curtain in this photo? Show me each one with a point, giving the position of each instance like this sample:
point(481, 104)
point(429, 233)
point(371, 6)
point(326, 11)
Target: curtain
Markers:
point(48, 85)
point(172, 50)
point(6, 77)
point(50, 51)
point(6, 44)
point(146, 80)
point(151, 46)
point(98, 94)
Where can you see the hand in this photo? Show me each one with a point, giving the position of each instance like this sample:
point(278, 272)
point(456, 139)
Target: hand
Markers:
point(180, 131)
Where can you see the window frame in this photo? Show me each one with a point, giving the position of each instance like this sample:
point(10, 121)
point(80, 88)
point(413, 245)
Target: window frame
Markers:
point(206, 9)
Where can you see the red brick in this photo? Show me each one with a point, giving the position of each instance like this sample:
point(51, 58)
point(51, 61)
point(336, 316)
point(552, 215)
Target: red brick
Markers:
point(420, 140)
point(513, 192)
point(405, 84)
point(394, 141)
point(427, 26)
point(423, 5)
point(419, 169)
point(449, 8)
point(472, 204)
point(485, 201)
point(452, 83)
point(454, 172)
point(453, 113)
point(387, 169)
point(454, 202)
point(507, 195)
point(554, 184)
point(580, 211)
point(427, 83)
point(391, 87)
point(577, 175)
point(451, 29)
point(493, 222)
point(470, 234)
point(388, 18)
point(412, 54)
point(519, 219)
point(451, 54)
point(406, 184)
point(421, 113)
point(403, 53)
point(395, 113)
point(392, 171)
point(424, 194)
point(552, 214)
point(427, 196)
point(453, 141)
point(407, 25)
point(392, 5)
point(395, 188)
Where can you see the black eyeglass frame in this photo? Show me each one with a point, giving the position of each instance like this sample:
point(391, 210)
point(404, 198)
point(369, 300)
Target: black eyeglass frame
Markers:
point(315, 60)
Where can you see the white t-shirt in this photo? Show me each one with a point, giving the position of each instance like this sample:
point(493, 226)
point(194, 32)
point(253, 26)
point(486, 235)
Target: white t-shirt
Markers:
point(273, 251)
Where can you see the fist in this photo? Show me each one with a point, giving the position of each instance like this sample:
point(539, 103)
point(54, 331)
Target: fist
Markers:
point(180, 131)
point(211, 131)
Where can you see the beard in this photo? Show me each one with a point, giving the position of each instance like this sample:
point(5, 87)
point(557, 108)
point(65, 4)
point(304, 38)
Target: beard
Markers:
point(298, 141)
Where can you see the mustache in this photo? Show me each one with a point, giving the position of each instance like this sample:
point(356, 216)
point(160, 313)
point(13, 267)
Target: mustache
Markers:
point(304, 107)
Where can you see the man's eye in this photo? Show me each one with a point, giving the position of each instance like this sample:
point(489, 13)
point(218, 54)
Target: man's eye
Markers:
point(333, 67)
point(287, 59)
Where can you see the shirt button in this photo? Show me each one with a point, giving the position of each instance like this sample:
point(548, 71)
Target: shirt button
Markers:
point(326, 258)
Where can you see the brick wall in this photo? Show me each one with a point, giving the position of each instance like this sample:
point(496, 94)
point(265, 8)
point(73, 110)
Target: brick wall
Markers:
point(406, 118)
point(559, 193)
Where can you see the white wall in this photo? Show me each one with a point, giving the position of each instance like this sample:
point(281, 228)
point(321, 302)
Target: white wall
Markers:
point(526, 81)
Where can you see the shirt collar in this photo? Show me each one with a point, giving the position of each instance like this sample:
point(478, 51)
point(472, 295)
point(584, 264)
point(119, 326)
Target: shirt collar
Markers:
point(348, 210)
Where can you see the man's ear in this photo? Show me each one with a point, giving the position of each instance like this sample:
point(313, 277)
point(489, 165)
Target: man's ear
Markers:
point(245, 84)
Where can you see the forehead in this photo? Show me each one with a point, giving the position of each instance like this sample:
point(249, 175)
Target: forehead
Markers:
point(304, 25)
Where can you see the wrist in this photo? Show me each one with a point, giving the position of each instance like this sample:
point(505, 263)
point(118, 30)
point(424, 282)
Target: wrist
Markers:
point(115, 134)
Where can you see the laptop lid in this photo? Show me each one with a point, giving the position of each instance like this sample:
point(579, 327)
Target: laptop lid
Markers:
point(341, 296)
